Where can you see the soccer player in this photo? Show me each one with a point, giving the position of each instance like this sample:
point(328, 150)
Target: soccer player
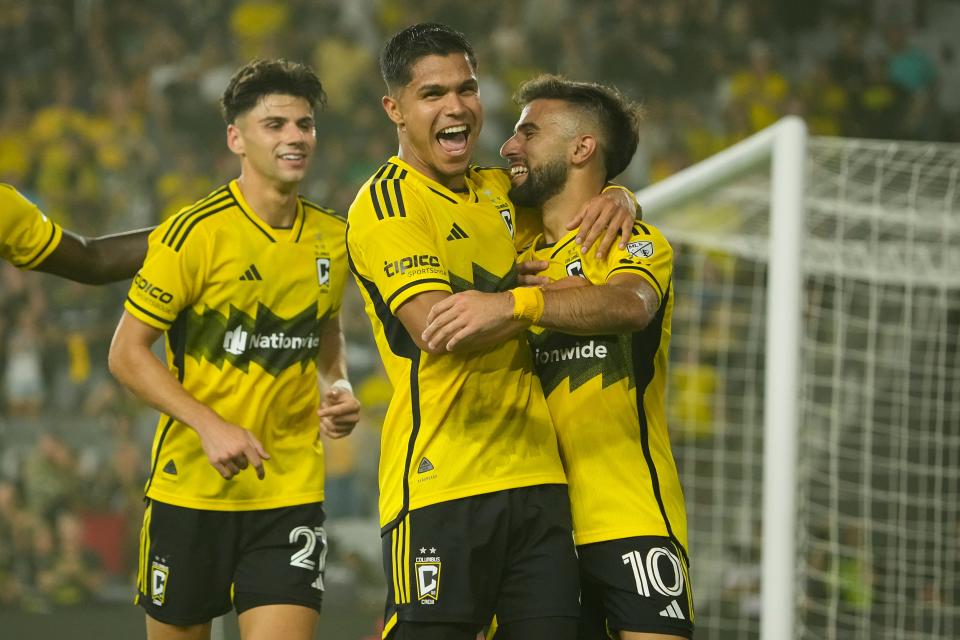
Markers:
point(247, 286)
point(30, 240)
point(474, 511)
point(601, 356)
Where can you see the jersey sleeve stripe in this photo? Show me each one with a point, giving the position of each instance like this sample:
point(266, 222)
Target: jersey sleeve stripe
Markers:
point(399, 195)
point(42, 254)
point(196, 221)
point(193, 209)
point(382, 170)
point(160, 319)
point(376, 201)
point(384, 184)
point(642, 226)
point(415, 284)
point(643, 270)
point(174, 229)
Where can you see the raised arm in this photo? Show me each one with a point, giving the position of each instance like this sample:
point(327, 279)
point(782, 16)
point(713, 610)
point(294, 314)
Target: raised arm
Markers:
point(97, 260)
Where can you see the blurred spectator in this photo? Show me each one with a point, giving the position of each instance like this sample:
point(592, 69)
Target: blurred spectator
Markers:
point(49, 477)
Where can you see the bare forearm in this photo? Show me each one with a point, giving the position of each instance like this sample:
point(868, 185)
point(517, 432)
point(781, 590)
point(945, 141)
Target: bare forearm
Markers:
point(97, 260)
point(332, 359)
point(139, 370)
point(595, 309)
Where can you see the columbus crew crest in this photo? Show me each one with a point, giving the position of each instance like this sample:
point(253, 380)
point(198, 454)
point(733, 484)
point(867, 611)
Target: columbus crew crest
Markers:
point(323, 272)
point(427, 569)
point(159, 573)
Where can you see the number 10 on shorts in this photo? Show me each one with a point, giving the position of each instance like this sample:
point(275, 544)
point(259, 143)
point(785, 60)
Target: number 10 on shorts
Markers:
point(650, 571)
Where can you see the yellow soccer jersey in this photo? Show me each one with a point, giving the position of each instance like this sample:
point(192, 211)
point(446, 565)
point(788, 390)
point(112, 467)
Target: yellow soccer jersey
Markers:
point(606, 396)
point(27, 236)
point(458, 424)
point(242, 304)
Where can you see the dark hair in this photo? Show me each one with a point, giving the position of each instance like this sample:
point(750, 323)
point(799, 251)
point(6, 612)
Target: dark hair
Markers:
point(405, 48)
point(259, 78)
point(618, 117)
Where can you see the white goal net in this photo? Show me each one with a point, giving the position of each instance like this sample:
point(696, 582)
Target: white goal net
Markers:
point(876, 541)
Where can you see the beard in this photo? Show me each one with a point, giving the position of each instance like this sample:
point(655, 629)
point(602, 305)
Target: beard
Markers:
point(542, 183)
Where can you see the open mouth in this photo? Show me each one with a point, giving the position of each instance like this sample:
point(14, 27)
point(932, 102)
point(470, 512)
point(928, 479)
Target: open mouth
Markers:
point(454, 139)
point(518, 172)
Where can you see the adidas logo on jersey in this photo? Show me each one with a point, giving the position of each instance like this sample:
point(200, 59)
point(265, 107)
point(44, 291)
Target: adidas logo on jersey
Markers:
point(672, 611)
point(425, 465)
point(456, 233)
point(251, 273)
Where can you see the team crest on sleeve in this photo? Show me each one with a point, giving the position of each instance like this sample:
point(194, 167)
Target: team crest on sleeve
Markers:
point(323, 272)
point(428, 576)
point(640, 248)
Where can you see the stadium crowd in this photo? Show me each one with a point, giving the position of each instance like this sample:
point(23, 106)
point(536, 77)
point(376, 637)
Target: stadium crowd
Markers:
point(109, 121)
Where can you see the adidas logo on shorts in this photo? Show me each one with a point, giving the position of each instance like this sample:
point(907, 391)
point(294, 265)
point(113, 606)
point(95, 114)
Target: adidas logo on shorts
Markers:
point(672, 611)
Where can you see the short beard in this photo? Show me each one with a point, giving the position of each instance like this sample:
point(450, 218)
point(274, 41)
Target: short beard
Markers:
point(541, 184)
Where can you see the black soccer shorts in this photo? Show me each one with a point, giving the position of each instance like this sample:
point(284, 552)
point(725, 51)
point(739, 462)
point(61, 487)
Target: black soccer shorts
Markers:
point(195, 565)
point(508, 553)
point(639, 584)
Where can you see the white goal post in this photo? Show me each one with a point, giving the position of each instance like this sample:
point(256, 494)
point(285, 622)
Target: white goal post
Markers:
point(815, 407)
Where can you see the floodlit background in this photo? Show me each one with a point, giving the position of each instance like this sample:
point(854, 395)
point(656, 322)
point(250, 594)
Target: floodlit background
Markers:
point(109, 121)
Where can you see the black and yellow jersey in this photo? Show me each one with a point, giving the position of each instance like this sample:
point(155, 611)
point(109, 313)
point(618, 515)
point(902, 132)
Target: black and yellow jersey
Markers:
point(242, 305)
point(606, 396)
point(458, 424)
point(27, 236)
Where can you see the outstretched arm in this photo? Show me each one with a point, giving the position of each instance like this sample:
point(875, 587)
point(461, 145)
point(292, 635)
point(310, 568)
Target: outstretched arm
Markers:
point(229, 448)
point(97, 260)
point(467, 320)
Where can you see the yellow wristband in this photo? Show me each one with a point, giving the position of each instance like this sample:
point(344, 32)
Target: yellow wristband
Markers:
point(527, 303)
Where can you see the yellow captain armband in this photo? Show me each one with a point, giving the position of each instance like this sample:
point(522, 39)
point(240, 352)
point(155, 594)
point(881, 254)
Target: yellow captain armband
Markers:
point(527, 304)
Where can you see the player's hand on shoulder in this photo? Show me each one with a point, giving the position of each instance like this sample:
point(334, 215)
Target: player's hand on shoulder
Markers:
point(603, 217)
point(231, 449)
point(339, 413)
